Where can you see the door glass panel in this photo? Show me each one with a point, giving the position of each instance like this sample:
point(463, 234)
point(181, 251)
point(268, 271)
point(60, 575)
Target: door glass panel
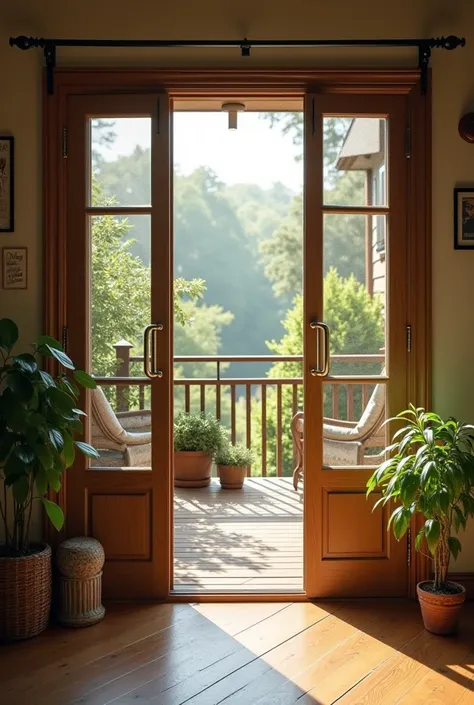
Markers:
point(355, 286)
point(353, 431)
point(119, 312)
point(120, 158)
point(354, 156)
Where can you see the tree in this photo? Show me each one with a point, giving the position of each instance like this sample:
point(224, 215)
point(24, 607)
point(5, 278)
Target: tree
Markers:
point(357, 327)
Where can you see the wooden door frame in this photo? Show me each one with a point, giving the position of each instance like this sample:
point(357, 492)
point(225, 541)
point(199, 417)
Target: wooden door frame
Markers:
point(256, 82)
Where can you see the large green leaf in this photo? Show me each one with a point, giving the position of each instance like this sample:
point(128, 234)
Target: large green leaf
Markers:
point(85, 379)
point(41, 480)
point(19, 384)
point(44, 340)
point(26, 361)
point(55, 513)
point(54, 478)
point(87, 449)
point(60, 356)
point(68, 450)
point(46, 378)
point(56, 438)
point(454, 546)
point(24, 453)
point(59, 400)
point(432, 532)
point(45, 456)
point(8, 334)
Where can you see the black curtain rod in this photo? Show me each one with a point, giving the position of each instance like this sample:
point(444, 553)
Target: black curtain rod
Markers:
point(424, 46)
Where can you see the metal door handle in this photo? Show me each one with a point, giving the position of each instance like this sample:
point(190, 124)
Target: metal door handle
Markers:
point(150, 351)
point(322, 344)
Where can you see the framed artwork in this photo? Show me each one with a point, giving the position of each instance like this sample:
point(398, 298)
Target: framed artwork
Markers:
point(464, 218)
point(6, 185)
point(14, 267)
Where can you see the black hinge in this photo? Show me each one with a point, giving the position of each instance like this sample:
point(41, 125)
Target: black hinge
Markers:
point(64, 142)
point(408, 142)
point(65, 338)
point(409, 546)
point(408, 338)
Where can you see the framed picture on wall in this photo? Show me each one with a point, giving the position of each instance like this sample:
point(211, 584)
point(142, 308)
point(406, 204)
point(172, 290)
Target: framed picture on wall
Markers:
point(464, 218)
point(14, 268)
point(6, 185)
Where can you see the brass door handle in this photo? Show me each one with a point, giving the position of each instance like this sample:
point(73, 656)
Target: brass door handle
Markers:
point(322, 349)
point(150, 351)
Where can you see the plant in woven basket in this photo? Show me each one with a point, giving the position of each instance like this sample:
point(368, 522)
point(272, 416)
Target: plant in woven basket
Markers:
point(38, 422)
point(431, 472)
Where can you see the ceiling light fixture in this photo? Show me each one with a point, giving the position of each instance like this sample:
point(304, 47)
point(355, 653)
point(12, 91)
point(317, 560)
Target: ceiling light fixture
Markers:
point(233, 109)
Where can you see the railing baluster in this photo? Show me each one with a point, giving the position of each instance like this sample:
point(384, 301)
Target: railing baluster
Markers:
point(218, 402)
point(335, 401)
point(248, 418)
point(350, 402)
point(264, 430)
point(279, 433)
point(203, 397)
point(187, 398)
point(365, 395)
point(294, 409)
point(141, 397)
point(232, 412)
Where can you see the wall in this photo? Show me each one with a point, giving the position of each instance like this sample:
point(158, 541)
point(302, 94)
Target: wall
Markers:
point(453, 94)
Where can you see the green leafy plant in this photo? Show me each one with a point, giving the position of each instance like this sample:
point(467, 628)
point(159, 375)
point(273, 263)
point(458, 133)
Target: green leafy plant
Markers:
point(38, 421)
point(198, 432)
point(430, 472)
point(236, 455)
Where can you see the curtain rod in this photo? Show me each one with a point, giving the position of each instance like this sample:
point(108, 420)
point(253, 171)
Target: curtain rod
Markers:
point(245, 45)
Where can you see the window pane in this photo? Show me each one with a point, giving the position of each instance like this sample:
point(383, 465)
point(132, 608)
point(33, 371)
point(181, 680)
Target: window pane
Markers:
point(354, 156)
point(120, 161)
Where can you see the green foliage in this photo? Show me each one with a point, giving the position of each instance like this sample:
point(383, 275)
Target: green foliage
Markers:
point(431, 472)
point(39, 419)
point(198, 432)
point(236, 455)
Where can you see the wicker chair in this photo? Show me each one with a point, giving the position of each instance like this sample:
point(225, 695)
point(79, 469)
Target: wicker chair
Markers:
point(345, 441)
point(122, 439)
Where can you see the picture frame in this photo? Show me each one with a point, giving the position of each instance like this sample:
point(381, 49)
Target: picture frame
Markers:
point(464, 218)
point(14, 267)
point(7, 184)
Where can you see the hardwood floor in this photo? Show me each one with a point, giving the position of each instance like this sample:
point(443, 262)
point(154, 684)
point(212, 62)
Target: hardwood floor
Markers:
point(350, 653)
point(237, 540)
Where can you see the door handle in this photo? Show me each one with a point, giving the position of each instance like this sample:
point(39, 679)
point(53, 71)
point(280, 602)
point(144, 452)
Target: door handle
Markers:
point(150, 351)
point(322, 349)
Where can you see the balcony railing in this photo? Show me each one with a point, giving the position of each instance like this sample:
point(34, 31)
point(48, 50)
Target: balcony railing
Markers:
point(254, 409)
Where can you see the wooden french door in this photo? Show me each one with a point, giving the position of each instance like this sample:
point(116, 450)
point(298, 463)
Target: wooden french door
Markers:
point(348, 551)
point(123, 498)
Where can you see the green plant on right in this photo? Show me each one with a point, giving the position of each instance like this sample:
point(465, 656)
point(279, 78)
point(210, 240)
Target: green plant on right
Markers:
point(431, 472)
point(198, 432)
point(235, 455)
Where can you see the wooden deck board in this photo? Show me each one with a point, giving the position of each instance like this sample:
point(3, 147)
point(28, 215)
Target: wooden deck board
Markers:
point(365, 652)
point(248, 539)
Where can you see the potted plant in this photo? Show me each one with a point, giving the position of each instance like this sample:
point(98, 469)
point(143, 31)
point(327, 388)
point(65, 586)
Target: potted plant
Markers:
point(38, 420)
point(233, 462)
point(431, 472)
point(196, 438)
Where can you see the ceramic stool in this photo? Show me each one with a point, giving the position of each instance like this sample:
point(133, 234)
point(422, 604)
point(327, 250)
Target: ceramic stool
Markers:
point(80, 562)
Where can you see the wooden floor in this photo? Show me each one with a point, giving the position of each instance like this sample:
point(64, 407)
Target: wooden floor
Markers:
point(238, 540)
point(349, 653)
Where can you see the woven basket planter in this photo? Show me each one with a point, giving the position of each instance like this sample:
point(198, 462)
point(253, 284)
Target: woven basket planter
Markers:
point(25, 594)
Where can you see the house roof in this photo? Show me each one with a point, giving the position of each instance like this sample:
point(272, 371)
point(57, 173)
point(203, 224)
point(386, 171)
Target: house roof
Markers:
point(363, 146)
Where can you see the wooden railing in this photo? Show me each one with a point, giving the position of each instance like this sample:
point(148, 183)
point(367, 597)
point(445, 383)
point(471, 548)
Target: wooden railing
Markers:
point(245, 404)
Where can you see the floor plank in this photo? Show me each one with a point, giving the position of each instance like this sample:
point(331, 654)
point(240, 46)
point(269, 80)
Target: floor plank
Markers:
point(248, 539)
point(366, 652)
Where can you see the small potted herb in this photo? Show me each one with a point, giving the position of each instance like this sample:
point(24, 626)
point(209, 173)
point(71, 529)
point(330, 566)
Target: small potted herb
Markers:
point(431, 473)
point(39, 419)
point(233, 462)
point(196, 438)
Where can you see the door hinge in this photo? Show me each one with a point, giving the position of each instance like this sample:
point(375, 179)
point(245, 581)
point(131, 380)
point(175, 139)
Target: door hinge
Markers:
point(64, 340)
point(408, 141)
point(408, 338)
point(64, 142)
point(409, 546)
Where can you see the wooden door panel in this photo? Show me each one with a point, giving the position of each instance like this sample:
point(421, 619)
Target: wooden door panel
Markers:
point(342, 538)
point(122, 522)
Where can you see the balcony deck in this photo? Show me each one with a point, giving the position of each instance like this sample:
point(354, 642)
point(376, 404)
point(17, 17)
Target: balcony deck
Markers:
point(248, 539)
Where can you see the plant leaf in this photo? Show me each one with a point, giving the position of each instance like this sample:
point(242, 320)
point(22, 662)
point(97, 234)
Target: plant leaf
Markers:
point(24, 453)
point(454, 546)
point(41, 480)
point(19, 384)
point(432, 531)
point(44, 340)
point(85, 379)
point(46, 378)
point(21, 489)
point(8, 334)
point(55, 513)
point(68, 450)
point(60, 356)
point(56, 438)
point(26, 361)
point(87, 449)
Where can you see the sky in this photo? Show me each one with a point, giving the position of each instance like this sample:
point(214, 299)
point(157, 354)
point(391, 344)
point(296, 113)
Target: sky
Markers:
point(254, 153)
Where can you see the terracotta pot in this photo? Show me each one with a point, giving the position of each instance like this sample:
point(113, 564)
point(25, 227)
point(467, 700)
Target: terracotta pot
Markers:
point(440, 612)
point(192, 469)
point(231, 476)
point(25, 594)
